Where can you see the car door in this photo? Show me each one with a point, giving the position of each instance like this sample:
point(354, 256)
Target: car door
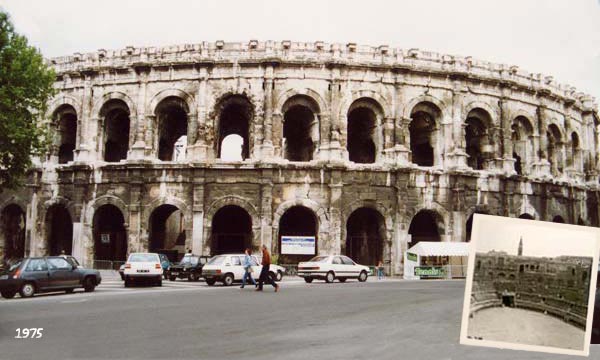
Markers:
point(236, 267)
point(37, 270)
point(338, 267)
point(350, 267)
point(61, 272)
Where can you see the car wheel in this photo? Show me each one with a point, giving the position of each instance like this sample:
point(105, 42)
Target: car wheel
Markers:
point(127, 282)
point(363, 276)
point(272, 275)
point(27, 290)
point(89, 284)
point(8, 294)
point(329, 277)
point(172, 278)
point(166, 276)
point(342, 279)
point(308, 280)
point(193, 277)
point(279, 276)
point(228, 280)
point(210, 282)
point(69, 291)
point(159, 281)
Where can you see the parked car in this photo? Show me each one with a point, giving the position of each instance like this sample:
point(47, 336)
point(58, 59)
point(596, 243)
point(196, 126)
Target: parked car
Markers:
point(331, 267)
point(228, 268)
point(45, 274)
point(143, 266)
point(189, 267)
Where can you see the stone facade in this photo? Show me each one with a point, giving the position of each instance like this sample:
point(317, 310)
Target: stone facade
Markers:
point(415, 141)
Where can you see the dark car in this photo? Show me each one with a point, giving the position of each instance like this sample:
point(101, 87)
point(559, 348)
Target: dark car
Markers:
point(45, 274)
point(190, 267)
point(596, 318)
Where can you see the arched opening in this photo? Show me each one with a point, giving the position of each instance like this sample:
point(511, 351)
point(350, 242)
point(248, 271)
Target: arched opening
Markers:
point(469, 225)
point(478, 147)
point(364, 117)
point(300, 128)
point(172, 119)
point(426, 225)
point(65, 120)
point(13, 232)
point(574, 157)
point(365, 236)
point(297, 221)
point(526, 216)
point(59, 230)
point(232, 148)
point(554, 149)
point(110, 235)
point(167, 230)
point(522, 141)
point(558, 219)
point(231, 230)
point(423, 134)
point(235, 114)
point(116, 130)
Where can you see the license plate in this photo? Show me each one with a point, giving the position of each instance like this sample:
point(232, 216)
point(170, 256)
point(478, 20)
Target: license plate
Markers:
point(174, 273)
point(4, 277)
point(143, 271)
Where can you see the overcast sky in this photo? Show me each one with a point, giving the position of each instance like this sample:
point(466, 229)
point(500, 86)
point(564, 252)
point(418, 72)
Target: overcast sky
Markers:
point(539, 238)
point(558, 37)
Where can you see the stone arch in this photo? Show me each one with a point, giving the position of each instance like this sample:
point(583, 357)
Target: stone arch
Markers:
point(493, 111)
point(388, 223)
point(319, 210)
point(300, 129)
point(167, 200)
point(104, 200)
point(372, 204)
point(386, 108)
point(171, 92)
point(468, 223)
point(308, 92)
point(231, 200)
point(61, 100)
point(426, 131)
point(114, 132)
point(528, 116)
point(60, 200)
point(236, 103)
point(526, 208)
point(115, 95)
point(426, 98)
point(52, 243)
point(13, 225)
point(363, 130)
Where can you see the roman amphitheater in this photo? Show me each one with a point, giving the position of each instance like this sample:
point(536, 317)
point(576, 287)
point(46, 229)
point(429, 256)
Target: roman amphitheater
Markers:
point(217, 146)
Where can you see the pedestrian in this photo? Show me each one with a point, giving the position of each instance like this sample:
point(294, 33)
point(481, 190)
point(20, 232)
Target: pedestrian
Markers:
point(62, 253)
point(380, 270)
point(264, 272)
point(247, 268)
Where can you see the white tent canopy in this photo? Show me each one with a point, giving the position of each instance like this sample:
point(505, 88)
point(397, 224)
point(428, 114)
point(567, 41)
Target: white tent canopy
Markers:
point(434, 248)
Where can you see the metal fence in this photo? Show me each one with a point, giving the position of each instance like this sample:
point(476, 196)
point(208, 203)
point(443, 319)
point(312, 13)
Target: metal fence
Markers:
point(106, 264)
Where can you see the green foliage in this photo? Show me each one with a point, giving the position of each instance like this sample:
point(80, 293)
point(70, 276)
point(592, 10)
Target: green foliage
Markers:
point(25, 87)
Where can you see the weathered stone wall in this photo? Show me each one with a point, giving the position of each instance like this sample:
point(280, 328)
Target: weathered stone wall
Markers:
point(263, 81)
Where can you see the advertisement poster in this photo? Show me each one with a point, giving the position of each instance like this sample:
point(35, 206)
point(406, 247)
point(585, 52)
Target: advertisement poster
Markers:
point(298, 245)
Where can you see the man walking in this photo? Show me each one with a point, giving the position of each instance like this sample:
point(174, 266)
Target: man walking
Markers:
point(264, 272)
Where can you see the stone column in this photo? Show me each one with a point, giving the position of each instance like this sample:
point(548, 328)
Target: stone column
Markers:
point(150, 135)
point(138, 149)
point(266, 212)
point(541, 165)
point(137, 231)
point(267, 150)
point(455, 144)
point(335, 216)
point(506, 145)
point(84, 138)
point(198, 245)
point(198, 150)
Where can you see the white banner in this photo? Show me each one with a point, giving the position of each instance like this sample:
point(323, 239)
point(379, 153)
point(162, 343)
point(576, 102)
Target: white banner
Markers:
point(298, 245)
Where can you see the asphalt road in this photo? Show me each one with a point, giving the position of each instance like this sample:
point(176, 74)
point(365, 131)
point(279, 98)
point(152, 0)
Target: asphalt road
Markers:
point(373, 320)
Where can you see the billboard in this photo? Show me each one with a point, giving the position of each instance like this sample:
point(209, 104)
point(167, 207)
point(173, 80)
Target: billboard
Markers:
point(298, 245)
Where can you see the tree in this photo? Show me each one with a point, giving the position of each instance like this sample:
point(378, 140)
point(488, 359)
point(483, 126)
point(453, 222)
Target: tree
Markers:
point(26, 84)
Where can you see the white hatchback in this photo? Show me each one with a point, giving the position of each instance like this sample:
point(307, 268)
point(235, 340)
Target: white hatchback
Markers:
point(143, 266)
point(228, 268)
point(331, 267)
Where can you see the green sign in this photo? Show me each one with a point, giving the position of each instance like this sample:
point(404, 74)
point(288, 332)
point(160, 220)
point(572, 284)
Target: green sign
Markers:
point(411, 256)
point(430, 271)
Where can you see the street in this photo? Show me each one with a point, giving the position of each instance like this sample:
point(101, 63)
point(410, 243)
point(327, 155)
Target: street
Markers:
point(389, 319)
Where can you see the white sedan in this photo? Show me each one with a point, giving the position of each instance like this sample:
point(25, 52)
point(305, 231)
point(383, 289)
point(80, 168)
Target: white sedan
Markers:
point(331, 267)
point(143, 266)
point(228, 268)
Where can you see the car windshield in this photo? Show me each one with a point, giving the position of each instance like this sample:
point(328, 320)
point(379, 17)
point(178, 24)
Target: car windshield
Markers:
point(191, 260)
point(142, 258)
point(217, 260)
point(319, 259)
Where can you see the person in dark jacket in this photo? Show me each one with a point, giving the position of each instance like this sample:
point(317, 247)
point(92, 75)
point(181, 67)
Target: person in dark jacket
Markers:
point(264, 272)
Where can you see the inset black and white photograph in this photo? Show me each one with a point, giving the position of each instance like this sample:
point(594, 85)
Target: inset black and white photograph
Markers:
point(530, 285)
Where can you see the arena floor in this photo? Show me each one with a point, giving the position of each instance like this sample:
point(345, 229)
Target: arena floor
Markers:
point(525, 327)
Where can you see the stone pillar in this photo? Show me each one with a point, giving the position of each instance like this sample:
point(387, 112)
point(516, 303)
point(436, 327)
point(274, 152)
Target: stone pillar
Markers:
point(138, 149)
point(335, 216)
point(541, 166)
point(198, 150)
point(455, 144)
point(506, 145)
point(78, 249)
point(266, 212)
point(267, 150)
point(277, 134)
point(84, 137)
point(137, 231)
point(198, 245)
point(149, 136)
